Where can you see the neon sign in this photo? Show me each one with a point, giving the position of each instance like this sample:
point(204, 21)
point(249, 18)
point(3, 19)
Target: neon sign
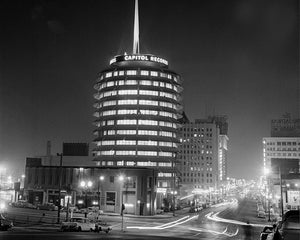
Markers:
point(139, 57)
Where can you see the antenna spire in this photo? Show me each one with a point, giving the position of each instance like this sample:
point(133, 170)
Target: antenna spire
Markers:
point(136, 43)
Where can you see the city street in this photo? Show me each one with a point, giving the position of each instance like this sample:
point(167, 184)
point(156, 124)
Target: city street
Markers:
point(222, 221)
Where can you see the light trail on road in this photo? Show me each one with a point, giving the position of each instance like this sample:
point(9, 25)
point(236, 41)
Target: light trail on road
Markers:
point(167, 225)
point(214, 217)
point(216, 232)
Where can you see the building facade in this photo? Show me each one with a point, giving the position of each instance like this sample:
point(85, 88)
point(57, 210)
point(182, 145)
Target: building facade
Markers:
point(281, 159)
point(202, 157)
point(108, 188)
point(138, 104)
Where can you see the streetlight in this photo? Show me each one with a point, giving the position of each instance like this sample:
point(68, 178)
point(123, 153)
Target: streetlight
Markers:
point(85, 185)
point(101, 178)
point(121, 179)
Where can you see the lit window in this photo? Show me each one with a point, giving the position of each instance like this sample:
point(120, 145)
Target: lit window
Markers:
point(148, 92)
point(164, 164)
point(128, 92)
point(165, 154)
point(109, 103)
point(145, 82)
point(121, 82)
point(130, 82)
point(148, 102)
point(110, 163)
point(120, 163)
point(144, 73)
point(115, 73)
point(165, 144)
point(130, 163)
point(121, 73)
point(111, 132)
point(105, 143)
point(147, 122)
point(168, 85)
point(125, 152)
point(108, 113)
point(146, 164)
point(147, 143)
point(109, 84)
point(111, 152)
point(163, 75)
point(148, 112)
point(165, 134)
point(110, 93)
point(126, 122)
point(131, 72)
point(109, 74)
point(154, 74)
point(126, 142)
point(147, 153)
point(126, 132)
point(156, 84)
point(127, 111)
point(147, 132)
point(166, 114)
point(110, 122)
point(127, 102)
point(161, 84)
point(169, 76)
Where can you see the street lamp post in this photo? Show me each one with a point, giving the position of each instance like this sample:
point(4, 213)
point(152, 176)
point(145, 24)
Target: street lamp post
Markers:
point(121, 179)
point(85, 185)
point(101, 178)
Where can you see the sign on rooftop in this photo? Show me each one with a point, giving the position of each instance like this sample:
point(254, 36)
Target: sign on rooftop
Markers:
point(75, 149)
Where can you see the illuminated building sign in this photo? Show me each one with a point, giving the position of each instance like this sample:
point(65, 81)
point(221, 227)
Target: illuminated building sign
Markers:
point(161, 190)
point(139, 57)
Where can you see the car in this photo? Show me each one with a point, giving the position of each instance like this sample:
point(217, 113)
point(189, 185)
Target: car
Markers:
point(102, 226)
point(159, 211)
point(265, 232)
point(289, 226)
point(47, 206)
point(78, 224)
point(261, 214)
point(23, 204)
point(5, 224)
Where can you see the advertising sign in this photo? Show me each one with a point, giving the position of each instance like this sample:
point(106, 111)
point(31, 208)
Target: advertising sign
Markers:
point(293, 198)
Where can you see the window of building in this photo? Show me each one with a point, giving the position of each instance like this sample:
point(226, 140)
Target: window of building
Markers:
point(111, 179)
point(144, 73)
point(131, 72)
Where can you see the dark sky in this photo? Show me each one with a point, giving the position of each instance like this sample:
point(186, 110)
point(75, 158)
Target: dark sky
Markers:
point(238, 58)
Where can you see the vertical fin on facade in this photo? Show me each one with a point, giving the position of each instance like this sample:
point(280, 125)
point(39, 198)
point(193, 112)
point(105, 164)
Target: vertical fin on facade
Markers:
point(136, 44)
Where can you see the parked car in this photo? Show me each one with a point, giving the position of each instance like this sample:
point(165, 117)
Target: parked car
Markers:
point(265, 232)
point(5, 224)
point(102, 226)
point(289, 227)
point(78, 224)
point(261, 214)
point(23, 204)
point(159, 211)
point(47, 206)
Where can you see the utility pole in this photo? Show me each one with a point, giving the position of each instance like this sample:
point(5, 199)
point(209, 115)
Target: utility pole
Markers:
point(59, 187)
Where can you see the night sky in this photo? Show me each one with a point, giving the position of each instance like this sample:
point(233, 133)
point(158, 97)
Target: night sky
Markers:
point(237, 58)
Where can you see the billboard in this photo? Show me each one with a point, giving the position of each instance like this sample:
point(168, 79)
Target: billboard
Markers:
point(75, 149)
point(286, 165)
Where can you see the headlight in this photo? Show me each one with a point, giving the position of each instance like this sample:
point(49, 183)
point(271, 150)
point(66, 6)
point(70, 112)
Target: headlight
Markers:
point(2, 206)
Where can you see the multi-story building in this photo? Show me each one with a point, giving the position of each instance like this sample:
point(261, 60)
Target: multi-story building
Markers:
point(281, 159)
point(203, 155)
point(85, 186)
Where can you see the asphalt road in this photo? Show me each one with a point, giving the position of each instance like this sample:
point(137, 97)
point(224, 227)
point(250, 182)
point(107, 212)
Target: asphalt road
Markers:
point(208, 224)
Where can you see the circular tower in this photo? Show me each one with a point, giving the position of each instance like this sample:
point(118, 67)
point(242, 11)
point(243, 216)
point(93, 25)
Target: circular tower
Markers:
point(138, 104)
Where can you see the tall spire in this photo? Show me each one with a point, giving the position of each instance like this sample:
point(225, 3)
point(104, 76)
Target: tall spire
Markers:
point(136, 43)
